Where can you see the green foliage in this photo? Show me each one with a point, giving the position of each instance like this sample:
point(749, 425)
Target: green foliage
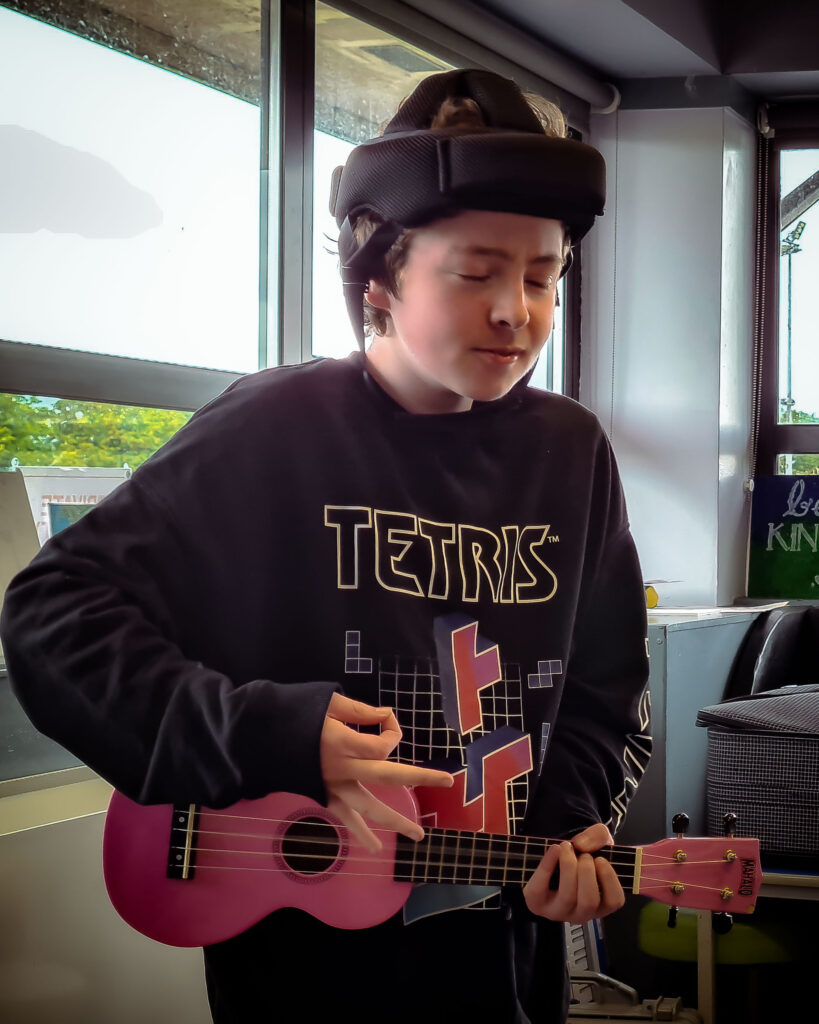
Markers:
point(803, 465)
point(62, 432)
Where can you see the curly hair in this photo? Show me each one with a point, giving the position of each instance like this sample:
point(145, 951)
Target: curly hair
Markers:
point(464, 115)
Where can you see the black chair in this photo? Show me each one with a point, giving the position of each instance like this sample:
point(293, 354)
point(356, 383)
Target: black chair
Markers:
point(780, 649)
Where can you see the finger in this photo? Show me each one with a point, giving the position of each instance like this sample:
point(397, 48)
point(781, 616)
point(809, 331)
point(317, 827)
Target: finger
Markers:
point(392, 773)
point(349, 817)
point(361, 800)
point(390, 725)
point(540, 897)
point(350, 743)
point(612, 896)
point(346, 710)
point(538, 885)
point(587, 891)
point(592, 839)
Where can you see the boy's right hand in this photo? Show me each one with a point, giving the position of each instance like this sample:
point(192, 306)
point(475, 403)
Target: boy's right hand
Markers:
point(350, 760)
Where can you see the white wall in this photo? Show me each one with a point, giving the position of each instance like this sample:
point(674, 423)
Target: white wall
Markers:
point(667, 338)
point(66, 957)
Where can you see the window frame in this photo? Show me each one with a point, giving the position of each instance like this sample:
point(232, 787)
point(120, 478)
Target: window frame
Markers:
point(775, 438)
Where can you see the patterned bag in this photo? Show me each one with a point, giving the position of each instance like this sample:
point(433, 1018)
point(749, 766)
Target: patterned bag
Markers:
point(763, 766)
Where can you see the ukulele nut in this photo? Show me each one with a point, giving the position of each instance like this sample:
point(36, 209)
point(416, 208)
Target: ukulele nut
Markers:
point(680, 856)
point(725, 894)
point(677, 888)
point(730, 856)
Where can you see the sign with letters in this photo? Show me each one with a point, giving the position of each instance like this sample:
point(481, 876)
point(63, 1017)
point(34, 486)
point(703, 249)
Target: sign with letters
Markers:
point(783, 555)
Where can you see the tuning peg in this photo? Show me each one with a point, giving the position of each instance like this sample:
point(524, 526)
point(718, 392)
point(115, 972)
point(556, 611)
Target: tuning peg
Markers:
point(672, 917)
point(722, 923)
point(679, 824)
point(729, 822)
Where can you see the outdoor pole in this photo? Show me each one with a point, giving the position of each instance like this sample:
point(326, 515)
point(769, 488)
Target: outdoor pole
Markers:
point(790, 359)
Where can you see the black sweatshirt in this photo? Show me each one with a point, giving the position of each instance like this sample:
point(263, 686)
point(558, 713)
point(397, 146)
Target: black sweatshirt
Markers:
point(304, 534)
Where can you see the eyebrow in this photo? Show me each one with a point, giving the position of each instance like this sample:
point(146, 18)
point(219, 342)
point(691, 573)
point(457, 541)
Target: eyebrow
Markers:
point(483, 250)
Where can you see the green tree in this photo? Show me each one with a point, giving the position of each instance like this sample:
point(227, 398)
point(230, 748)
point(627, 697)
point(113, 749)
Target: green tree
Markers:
point(63, 432)
point(803, 465)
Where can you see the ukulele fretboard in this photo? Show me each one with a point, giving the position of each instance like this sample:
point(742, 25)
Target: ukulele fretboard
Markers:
point(479, 858)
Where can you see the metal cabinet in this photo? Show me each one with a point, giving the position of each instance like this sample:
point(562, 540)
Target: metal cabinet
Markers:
point(691, 656)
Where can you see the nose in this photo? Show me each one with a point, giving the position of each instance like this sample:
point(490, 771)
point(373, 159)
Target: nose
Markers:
point(509, 308)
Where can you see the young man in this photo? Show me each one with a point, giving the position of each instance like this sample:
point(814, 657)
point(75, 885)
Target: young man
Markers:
point(404, 568)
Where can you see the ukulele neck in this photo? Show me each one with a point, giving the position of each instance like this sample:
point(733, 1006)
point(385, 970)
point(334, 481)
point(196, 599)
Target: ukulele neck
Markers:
point(478, 858)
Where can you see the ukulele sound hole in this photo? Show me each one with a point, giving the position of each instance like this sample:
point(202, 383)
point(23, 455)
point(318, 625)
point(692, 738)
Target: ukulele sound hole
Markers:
point(310, 846)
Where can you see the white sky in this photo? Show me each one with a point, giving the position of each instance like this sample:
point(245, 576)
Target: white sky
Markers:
point(129, 205)
point(797, 166)
point(332, 331)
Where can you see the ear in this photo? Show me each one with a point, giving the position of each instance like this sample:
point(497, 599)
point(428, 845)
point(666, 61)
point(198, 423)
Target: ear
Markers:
point(377, 295)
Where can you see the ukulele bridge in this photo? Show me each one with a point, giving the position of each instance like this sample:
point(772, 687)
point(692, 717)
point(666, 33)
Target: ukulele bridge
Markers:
point(182, 847)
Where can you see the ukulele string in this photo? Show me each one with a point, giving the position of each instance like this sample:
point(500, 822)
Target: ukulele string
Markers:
point(389, 863)
point(666, 881)
point(476, 867)
point(653, 883)
point(316, 822)
point(427, 846)
point(428, 850)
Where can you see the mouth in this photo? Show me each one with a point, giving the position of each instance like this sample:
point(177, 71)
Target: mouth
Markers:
point(501, 355)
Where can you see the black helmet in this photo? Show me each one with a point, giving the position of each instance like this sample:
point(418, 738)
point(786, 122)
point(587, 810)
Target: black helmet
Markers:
point(412, 175)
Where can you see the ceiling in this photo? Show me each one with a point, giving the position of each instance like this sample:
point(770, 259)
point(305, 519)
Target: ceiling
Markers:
point(771, 49)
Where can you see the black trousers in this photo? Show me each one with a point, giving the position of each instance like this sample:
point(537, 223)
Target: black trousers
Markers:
point(491, 966)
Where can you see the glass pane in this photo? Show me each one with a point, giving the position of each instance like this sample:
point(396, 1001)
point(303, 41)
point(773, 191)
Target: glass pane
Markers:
point(362, 74)
point(797, 465)
point(798, 294)
point(129, 203)
point(41, 431)
point(58, 458)
point(548, 373)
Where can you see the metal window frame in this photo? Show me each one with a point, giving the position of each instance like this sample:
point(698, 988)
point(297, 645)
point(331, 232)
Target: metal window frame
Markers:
point(31, 369)
point(776, 438)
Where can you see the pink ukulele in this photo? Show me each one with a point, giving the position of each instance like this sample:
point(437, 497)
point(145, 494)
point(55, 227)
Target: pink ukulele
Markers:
point(190, 876)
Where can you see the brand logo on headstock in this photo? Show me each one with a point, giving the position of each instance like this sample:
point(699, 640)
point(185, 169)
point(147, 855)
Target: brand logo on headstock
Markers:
point(746, 885)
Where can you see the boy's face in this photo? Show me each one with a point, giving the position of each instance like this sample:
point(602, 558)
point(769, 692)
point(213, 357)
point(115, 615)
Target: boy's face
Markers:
point(476, 304)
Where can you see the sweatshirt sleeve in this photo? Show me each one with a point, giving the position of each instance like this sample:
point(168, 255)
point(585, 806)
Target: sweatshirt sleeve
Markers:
point(92, 647)
point(601, 744)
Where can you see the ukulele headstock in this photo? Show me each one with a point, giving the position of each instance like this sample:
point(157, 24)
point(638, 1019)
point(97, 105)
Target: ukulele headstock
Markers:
point(723, 874)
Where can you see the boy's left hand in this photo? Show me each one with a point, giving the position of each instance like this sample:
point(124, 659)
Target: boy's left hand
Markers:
point(589, 887)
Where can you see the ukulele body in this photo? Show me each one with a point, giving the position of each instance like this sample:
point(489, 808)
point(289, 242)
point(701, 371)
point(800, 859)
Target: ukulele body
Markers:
point(232, 867)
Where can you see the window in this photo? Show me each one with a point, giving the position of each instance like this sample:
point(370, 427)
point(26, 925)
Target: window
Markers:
point(362, 74)
point(788, 382)
point(42, 431)
point(130, 191)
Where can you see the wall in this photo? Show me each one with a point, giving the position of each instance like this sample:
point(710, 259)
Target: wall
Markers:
point(65, 955)
point(666, 357)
